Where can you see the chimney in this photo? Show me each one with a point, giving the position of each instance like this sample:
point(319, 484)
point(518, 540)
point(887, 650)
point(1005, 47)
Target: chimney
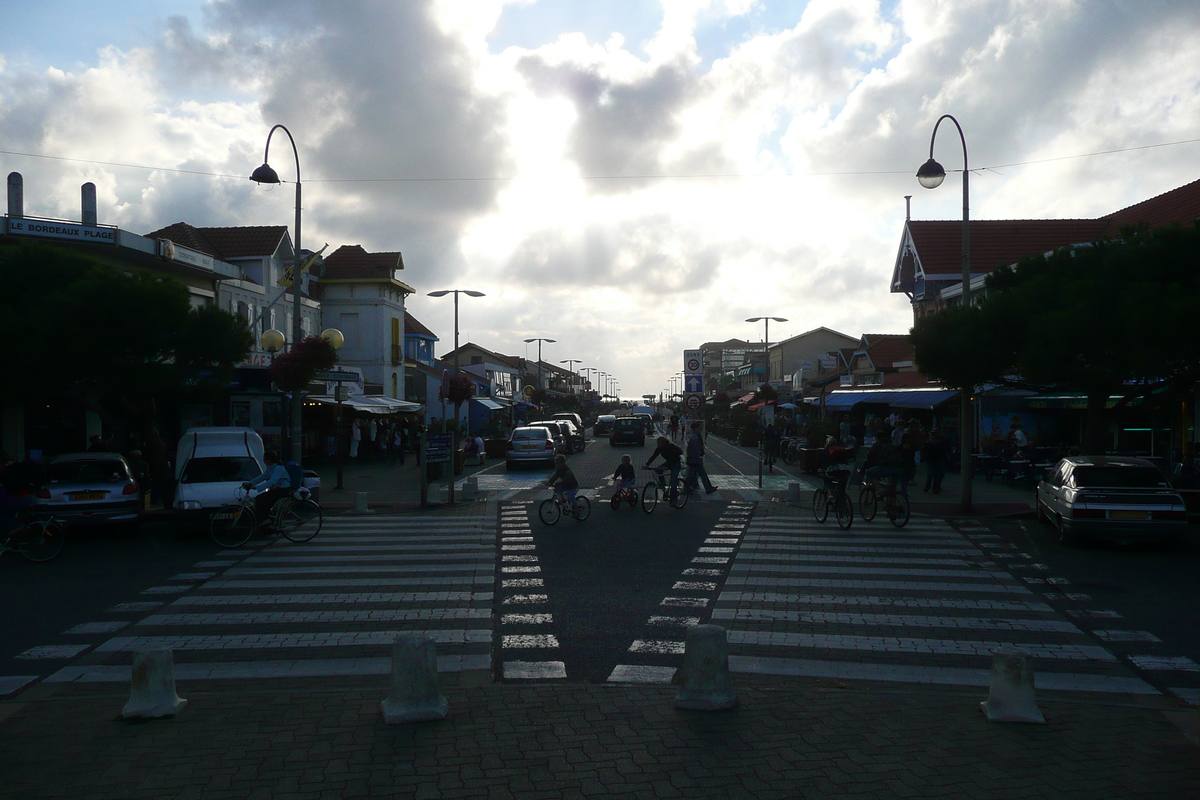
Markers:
point(907, 207)
point(16, 195)
point(88, 193)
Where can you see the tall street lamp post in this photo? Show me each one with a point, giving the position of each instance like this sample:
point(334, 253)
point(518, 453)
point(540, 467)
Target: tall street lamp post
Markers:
point(336, 340)
point(571, 362)
point(539, 340)
point(265, 174)
point(930, 175)
point(766, 321)
point(456, 293)
point(589, 371)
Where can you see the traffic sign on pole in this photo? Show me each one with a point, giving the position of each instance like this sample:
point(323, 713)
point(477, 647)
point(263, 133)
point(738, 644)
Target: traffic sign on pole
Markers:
point(692, 362)
point(693, 384)
point(693, 402)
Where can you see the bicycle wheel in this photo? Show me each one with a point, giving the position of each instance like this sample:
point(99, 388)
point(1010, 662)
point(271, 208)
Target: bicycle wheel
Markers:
point(583, 508)
point(615, 501)
point(679, 494)
point(632, 498)
point(549, 512)
point(300, 520)
point(843, 509)
point(821, 504)
point(41, 540)
point(899, 511)
point(868, 502)
point(233, 525)
point(649, 497)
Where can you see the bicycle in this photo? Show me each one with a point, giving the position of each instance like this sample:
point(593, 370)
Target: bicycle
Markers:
point(37, 538)
point(838, 501)
point(297, 516)
point(554, 507)
point(658, 488)
point(895, 503)
point(626, 494)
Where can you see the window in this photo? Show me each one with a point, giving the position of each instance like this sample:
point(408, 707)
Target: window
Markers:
point(222, 469)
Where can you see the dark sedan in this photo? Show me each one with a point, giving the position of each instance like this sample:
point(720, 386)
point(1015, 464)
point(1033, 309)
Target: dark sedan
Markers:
point(627, 430)
point(1110, 497)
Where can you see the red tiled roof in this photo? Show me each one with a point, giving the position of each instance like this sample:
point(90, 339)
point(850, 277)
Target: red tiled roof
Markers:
point(1180, 205)
point(352, 262)
point(888, 348)
point(413, 325)
point(907, 380)
point(246, 241)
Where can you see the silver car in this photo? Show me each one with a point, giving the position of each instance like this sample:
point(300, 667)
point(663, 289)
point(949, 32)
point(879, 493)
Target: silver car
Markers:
point(1110, 497)
point(90, 488)
point(532, 445)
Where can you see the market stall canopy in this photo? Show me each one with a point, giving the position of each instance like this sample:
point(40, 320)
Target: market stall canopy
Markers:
point(369, 404)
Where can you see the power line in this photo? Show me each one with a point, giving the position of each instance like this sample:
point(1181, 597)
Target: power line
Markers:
point(660, 176)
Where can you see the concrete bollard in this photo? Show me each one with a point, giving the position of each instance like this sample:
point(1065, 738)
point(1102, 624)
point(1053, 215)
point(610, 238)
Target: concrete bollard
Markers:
point(360, 504)
point(706, 682)
point(1010, 698)
point(152, 690)
point(415, 695)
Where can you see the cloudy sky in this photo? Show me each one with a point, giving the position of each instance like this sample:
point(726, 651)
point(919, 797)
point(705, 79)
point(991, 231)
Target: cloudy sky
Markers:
point(631, 177)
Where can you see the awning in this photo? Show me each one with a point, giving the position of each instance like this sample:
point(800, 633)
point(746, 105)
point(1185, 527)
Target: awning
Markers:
point(746, 398)
point(907, 398)
point(923, 399)
point(487, 403)
point(756, 407)
point(369, 404)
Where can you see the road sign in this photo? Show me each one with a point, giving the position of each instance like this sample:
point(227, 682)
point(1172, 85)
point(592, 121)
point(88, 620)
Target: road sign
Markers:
point(349, 377)
point(693, 402)
point(693, 384)
point(437, 446)
point(692, 362)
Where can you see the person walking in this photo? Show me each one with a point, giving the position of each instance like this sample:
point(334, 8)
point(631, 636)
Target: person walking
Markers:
point(355, 437)
point(770, 445)
point(399, 443)
point(936, 451)
point(695, 461)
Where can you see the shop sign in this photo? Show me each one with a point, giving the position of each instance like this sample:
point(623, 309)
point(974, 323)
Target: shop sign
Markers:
point(61, 230)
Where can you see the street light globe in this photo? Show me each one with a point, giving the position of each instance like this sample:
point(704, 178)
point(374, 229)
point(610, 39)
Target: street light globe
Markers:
point(272, 341)
point(334, 337)
point(931, 174)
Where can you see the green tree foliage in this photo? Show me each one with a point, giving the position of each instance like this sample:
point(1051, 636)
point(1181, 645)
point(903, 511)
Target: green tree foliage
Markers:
point(298, 367)
point(1114, 318)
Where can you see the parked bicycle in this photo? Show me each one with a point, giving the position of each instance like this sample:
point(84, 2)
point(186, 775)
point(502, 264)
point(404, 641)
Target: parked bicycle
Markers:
point(833, 497)
point(661, 487)
point(297, 516)
point(895, 503)
point(36, 538)
point(556, 506)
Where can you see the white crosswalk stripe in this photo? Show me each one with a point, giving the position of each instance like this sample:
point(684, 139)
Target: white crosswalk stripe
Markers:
point(329, 607)
point(924, 604)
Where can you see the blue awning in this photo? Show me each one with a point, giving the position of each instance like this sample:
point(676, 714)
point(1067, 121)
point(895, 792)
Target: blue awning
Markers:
point(923, 399)
point(908, 398)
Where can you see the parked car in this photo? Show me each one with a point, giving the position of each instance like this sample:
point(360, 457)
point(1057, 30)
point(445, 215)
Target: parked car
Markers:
point(90, 488)
point(570, 416)
point(530, 445)
point(603, 425)
point(1110, 497)
point(627, 430)
point(562, 442)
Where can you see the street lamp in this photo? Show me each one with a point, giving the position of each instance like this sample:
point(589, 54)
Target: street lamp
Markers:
point(539, 340)
point(571, 362)
point(336, 340)
point(456, 293)
point(930, 175)
point(589, 371)
point(766, 321)
point(272, 341)
point(265, 174)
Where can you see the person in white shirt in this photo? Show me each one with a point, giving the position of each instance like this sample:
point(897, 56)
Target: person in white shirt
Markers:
point(274, 481)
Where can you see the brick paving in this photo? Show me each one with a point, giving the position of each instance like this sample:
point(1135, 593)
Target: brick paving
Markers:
point(813, 740)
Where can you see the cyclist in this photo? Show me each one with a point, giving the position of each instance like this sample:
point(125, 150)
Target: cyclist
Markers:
point(566, 480)
point(885, 461)
point(672, 457)
point(624, 477)
point(276, 483)
point(836, 463)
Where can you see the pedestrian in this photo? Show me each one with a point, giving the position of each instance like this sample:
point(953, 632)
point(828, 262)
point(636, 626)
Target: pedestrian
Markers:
point(141, 473)
point(418, 439)
point(355, 437)
point(399, 443)
point(935, 453)
point(695, 461)
point(908, 455)
point(770, 445)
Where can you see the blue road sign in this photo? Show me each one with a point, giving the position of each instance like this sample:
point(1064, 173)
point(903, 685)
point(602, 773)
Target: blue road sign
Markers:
point(693, 384)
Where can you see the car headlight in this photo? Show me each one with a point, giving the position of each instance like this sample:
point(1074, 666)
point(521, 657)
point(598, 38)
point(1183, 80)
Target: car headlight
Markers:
point(189, 505)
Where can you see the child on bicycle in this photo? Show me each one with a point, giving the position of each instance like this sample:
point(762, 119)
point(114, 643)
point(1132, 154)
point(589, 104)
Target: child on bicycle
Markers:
point(624, 477)
point(567, 483)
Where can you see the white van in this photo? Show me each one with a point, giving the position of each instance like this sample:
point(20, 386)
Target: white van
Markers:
point(211, 464)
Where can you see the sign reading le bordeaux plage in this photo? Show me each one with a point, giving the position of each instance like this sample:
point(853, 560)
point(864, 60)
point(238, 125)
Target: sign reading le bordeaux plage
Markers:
point(61, 230)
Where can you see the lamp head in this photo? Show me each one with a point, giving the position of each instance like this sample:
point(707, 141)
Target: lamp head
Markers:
point(931, 174)
point(334, 337)
point(271, 341)
point(265, 174)
point(441, 293)
point(471, 293)
point(755, 319)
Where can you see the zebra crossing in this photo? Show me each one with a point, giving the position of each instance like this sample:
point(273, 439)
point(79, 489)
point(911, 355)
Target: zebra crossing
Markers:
point(324, 608)
point(925, 604)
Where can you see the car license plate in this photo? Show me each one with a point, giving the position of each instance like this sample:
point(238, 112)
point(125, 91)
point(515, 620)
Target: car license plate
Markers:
point(88, 495)
point(1129, 515)
point(529, 447)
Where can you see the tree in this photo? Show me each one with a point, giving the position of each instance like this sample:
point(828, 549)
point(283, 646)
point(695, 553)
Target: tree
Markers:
point(1113, 318)
point(766, 393)
point(295, 370)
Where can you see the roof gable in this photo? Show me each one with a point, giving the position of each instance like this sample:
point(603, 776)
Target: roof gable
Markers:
point(352, 262)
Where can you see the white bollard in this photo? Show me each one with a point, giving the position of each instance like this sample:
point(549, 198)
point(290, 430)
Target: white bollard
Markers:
point(1010, 698)
point(466, 492)
point(415, 695)
point(706, 682)
point(360, 504)
point(152, 690)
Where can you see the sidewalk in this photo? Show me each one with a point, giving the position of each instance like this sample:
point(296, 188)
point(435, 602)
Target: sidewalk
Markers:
point(389, 487)
point(813, 739)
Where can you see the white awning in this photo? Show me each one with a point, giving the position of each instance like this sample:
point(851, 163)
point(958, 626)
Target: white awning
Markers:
point(487, 403)
point(369, 404)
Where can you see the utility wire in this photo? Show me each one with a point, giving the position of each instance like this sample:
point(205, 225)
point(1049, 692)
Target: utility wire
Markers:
point(704, 176)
